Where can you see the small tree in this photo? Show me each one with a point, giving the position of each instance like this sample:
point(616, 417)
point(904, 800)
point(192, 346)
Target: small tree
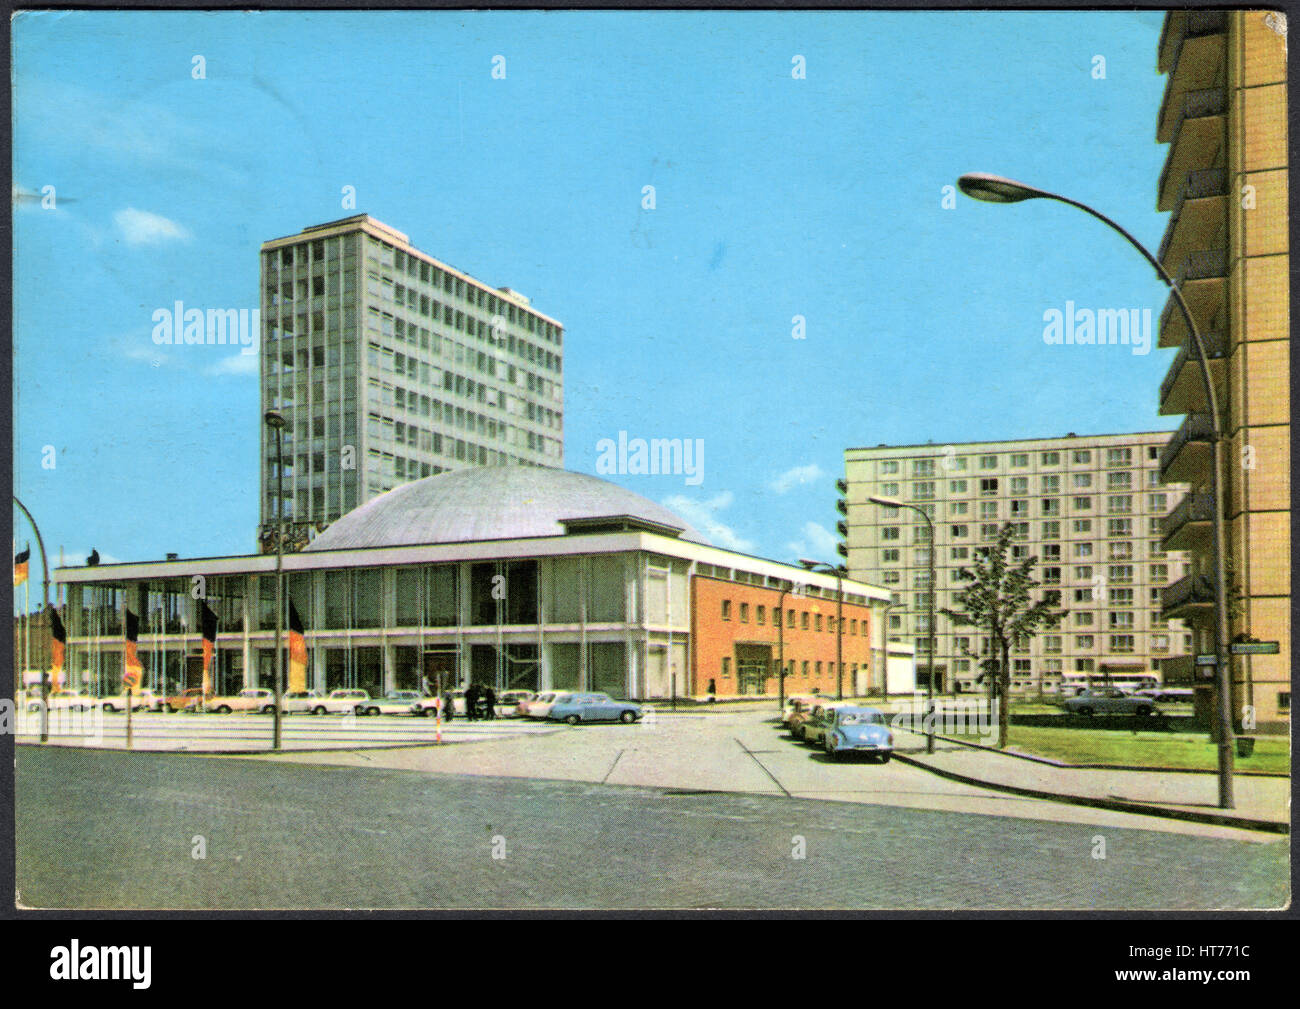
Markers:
point(997, 600)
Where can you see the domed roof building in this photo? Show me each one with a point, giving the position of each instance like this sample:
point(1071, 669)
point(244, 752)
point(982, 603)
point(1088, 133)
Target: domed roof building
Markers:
point(517, 577)
point(478, 504)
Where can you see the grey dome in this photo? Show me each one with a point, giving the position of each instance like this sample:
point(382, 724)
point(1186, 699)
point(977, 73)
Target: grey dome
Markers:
point(492, 503)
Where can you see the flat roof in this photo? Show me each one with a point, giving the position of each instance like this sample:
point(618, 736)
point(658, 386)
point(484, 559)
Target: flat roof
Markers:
point(940, 446)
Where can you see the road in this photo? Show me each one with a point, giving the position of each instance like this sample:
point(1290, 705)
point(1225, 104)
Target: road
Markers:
point(99, 829)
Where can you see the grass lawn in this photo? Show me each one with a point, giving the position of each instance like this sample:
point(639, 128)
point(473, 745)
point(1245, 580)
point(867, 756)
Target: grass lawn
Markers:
point(1150, 749)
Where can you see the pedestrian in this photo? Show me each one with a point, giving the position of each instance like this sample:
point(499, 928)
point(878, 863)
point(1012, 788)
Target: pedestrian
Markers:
point(471, 702)
point(448, 706)
point(489, 704)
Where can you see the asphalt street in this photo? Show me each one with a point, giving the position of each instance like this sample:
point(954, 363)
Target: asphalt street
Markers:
point(108, 829)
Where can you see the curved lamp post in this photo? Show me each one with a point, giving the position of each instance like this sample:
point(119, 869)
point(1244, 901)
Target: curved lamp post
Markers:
point(997, 189)
point(45, 586)
point(889, 502)
point(275, 421)
point(838, 572)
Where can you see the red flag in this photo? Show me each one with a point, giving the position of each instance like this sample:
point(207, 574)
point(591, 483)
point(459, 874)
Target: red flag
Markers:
point(58, 645)
point(130, 657)
point(297, 651)
point(208, 621)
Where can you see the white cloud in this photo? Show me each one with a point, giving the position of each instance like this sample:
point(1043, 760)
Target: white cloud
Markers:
point(235, 364)
point(140, 227)
point(796, 477)
point(704, 516)
point(817, 544)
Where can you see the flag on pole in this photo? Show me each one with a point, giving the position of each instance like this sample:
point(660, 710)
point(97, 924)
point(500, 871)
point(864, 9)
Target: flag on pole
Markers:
point(130, 658)
point(208, 622)
point(58, 646)
point(20, 565)
point(297, 651)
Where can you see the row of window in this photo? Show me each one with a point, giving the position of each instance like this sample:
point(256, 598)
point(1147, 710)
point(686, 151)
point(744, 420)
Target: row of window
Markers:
point(802, 667)
point(988, 531)
point(807, 619)
point(1016, 460)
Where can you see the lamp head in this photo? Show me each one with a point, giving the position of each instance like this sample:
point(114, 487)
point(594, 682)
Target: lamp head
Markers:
point(274, 419)
point(888, 502)
point(996, 188)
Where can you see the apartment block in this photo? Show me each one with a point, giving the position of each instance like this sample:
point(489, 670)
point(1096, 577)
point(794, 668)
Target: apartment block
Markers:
point(389, 366)
point(1091, 508)
point(1224, 184)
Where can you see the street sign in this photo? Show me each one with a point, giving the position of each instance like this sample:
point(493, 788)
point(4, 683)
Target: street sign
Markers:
point(1206, 660)
point(1254, 648)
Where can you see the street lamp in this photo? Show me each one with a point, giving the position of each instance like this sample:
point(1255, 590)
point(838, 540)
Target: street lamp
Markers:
point(996, 189)
point(889, 502)
point(45, 584)
point(838, 572)
point(275, 421)
point(780, 647)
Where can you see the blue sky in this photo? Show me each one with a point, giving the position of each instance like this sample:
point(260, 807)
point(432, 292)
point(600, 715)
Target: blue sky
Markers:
point(775, 197)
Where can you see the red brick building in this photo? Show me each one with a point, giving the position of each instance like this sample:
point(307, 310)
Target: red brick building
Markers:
point(738, 639)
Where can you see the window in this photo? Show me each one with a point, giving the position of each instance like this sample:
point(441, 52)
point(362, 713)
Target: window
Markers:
point(957, 486)
point(1051, 530)
point(1120, 574)
point(923, 491)
point(1083, 595)
point(988, 462)
point(958, 508)
point(1083, 504)
point(1156, 503)
point(989, 531)
point(760, 616)
point(1082, 480)
point(890, 556)
point(726, 665)
point(1019, 506)
point(805, 620)
point(1083, 641)
point(889, 533)
point(1121, 480)
point(1119, 456)
point(1051, 551)
point(1081, 456)
point(922, 467)
point(1121, 620)
point(1050, 459)
point(726, 609)
point(1051, 576)
point(989, 485)
point(920, 534)
point(1119, 527)
point(1052, 644)
point(1052, 506)
point(1160, 642)
point(960, 553)
point(1083, 618)
point(889, 489)
point(1121, 643)
point(1119, 504)
point(1051, 484)
point(819, 621)
point(805, 667)
point(1020, 459)
point(1082, 525)
point(887, 466)
point(891, 577)
point(959, 532)
point(988, 509)
point(1083, 549)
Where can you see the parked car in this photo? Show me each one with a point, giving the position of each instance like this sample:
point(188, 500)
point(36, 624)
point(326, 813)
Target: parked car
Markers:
point(300, 702)
point(141, 700)
point(1172, 695)
point(1108, 701)
point(64, 700)
point(186, 700)
point(398, 702)
point(541, 705)
point(430, 706)
point(341, 702)
point(251, 699)
point(593, 708)
point(852, 729)
point(800, 719)
point(511, 703)
point(799, 702)
point(813, 730)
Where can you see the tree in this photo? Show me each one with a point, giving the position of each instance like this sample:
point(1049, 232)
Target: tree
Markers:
point(997, 599)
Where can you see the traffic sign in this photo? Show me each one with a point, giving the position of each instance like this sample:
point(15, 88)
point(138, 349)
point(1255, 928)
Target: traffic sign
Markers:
point(1206, 660)
point(1255, 648)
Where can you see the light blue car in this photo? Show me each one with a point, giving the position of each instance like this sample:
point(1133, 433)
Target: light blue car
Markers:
point(593, 708)
point(852, 730)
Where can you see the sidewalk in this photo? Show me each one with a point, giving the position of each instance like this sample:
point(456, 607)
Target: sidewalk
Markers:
point(1262, 803)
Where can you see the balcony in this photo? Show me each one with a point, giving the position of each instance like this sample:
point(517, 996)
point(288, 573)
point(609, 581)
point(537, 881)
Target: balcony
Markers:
point(1183, 389)
point(1186, 457)
point(1203, 278)
point(1180, 26)
point(1190, 596)
point(1193, 62)
point(1190, 525)
point(1198, 134)
point(1199, 212)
